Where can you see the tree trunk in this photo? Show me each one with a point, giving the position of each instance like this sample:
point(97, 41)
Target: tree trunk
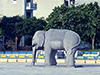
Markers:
point(93, 39)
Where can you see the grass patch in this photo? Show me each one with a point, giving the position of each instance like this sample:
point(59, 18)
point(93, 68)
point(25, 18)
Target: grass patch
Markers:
point(97, 50)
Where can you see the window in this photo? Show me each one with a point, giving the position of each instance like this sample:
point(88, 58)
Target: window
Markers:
point(28, 14)
point(14, 1)
point(28, 1)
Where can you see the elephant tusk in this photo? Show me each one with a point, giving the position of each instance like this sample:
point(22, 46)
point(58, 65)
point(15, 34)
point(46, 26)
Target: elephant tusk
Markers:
point(33, 45)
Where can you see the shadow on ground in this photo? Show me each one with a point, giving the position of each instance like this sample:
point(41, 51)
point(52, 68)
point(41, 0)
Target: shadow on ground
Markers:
point(62, 65)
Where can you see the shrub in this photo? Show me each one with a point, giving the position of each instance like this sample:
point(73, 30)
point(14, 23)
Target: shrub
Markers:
point(2, 48)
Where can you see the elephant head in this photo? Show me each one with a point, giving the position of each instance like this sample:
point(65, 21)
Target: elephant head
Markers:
point(38, 39)
point(37, 43)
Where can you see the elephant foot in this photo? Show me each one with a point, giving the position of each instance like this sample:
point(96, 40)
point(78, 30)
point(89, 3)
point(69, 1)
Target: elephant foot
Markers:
point(72, 66)
point(54, 64)
point(33, 64)
point(48, 64)
point(77, 66)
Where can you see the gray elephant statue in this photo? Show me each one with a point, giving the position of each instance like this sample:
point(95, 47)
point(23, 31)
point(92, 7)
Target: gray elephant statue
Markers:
point(53, 40)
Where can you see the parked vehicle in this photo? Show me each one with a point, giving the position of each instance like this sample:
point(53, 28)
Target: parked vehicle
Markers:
point(83, 46)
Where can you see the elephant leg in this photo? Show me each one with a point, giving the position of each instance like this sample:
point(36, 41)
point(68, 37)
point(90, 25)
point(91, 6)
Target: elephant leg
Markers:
point(67, 58)
point(47, 56)
point(70, 58)
point(53, 60)
point(34, 56)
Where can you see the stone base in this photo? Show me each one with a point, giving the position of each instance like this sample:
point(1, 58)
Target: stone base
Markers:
point(3, 60)
point(90, 61)
point(29, 60)
point(98, 61)
point(40, 60)
point(11, 60)
point(60, 60)
point(21, 60)
point(79, 61)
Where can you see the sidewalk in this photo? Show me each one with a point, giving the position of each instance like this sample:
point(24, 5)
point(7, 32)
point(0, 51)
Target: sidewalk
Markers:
point(40, 69)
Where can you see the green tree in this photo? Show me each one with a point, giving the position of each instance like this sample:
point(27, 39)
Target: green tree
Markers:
point(1, 33)
point(8, 25)
point(17, 26)
point(91, 26)
point(83, 19)
point(29, 26)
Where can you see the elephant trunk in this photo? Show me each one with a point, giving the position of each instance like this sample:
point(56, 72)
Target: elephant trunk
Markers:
point(34, 55)
point(34, 45)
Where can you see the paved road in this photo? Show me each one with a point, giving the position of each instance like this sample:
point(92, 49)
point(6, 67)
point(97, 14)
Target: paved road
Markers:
point(40, 69)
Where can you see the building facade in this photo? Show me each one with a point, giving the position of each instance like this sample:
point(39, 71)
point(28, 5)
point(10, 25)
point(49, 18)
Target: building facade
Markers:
point(11, 8)
point(45, 7)
point(26, 7)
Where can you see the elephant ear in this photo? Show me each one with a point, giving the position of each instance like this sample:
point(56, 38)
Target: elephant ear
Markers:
point(41, 37)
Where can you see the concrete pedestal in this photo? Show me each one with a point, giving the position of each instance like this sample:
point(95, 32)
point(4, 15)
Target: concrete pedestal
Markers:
point(79, 61)
point(21, 60)
point(40, 60)
point(29, 60)
point(60, 60)
point(90, 61)
point(98, 61)
point(3, 60)
point(12, 60)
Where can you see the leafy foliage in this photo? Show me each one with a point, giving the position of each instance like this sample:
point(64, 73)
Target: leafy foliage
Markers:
point(2, 48)
point(17, 26)
point(83, 19)
point(1, 33)
point(28, 41)
point(29, 26)
point(8, 25)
